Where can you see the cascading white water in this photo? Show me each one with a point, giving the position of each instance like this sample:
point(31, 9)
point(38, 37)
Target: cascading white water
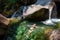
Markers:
point(52, 21)
point(50, 13)
point(37, 6)
point(49, 21)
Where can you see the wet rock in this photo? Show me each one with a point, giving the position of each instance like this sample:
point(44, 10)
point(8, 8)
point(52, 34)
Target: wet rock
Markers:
point(40, 15)
point(57, 2)
point(7, 21)
point(13, 20)
point(55, 35)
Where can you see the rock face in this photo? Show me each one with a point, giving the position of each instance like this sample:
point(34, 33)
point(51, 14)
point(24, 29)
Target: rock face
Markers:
point(40, 15)
point(58, 8)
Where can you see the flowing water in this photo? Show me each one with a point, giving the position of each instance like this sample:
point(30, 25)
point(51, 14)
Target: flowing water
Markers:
point(20, 30)
point(36, 7)
point(49, 21)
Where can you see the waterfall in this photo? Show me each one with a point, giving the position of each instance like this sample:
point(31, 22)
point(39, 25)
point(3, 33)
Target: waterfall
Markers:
point(52, 21)
point(39, 2)
point(27, 10)
point(49, 21)
point(50, 12)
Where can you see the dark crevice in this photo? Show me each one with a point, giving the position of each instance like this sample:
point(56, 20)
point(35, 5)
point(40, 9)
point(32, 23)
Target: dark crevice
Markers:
point(58, 9)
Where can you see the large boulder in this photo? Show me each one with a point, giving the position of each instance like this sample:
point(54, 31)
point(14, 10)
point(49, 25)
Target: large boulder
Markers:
point(40, 15)
point(38, 11)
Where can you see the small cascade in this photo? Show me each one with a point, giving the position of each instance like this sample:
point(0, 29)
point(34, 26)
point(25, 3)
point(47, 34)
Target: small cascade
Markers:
point(27, 10)
point(52, 21)
point(49, 21)
point(37, 6)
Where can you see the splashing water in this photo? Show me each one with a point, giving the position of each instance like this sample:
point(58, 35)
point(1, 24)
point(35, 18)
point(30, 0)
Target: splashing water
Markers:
point(37, 6)
point(42, 4)
point(49, 21)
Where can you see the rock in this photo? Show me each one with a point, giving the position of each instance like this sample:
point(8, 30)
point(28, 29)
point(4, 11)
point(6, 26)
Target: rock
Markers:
point(8, 21)
point(4, 20)
point(48, 32)
point(55, 35)
point(13, 20)
point(40, 15)
point(57, 2)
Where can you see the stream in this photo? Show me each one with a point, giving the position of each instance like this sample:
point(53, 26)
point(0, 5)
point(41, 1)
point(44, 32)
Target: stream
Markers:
point(27, 10)
point(19, 30)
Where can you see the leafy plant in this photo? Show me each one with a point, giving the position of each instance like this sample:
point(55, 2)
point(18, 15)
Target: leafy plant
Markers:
point(19, 31)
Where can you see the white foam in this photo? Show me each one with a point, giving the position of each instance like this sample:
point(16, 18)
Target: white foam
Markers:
point(51, 22)
point(55, 20)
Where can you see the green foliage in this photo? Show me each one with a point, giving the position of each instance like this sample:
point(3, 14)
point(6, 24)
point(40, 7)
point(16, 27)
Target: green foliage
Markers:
point(19, 31)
